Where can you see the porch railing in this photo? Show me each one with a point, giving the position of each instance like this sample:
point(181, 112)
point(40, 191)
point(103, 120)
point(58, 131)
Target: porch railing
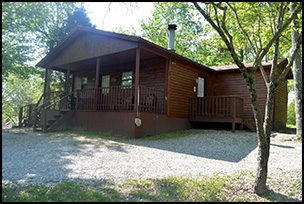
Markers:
point(151, 100)
point(216, 107)
point(121, 98)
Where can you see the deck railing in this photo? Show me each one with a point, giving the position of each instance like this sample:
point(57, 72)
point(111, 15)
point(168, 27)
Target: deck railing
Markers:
point(121, 98)
point(216, 107)
point(151, 100)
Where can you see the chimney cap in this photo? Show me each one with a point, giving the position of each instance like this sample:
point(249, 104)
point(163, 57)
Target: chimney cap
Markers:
point(172, 26)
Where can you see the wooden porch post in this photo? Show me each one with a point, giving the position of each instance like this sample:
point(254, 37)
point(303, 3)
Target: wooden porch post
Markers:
point(97, 73)
point(97, 81)
point(67, 84)
point(137, 66)
point(45, 84)
point(233, 113)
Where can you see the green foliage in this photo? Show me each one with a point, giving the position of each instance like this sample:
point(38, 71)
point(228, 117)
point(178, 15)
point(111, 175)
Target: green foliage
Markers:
point(32, 29)
point(291, 114)
point(18, 92)
point(190, 37)
point(29, 31)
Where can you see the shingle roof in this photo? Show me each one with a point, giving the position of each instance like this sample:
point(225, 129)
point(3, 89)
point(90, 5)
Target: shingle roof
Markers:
point(248, 65)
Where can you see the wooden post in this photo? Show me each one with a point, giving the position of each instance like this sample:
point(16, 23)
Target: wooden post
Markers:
point(233, 113)
point(67, 84)
point(44, 120)
point(137, 66)
point(97, 81)
point(45, 84)
point(77, 102)
point(20, 116)
point(35, 119)
point(97, 72)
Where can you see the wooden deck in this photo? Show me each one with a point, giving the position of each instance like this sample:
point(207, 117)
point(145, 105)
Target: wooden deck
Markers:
point(223, 109)
point(115, 98)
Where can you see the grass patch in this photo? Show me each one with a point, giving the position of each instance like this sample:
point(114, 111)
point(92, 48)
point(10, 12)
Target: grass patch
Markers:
point(64, 192)
point(91, 134)
point(111, 136)
point(291, 126)
point(224, 188)
point(169, 135)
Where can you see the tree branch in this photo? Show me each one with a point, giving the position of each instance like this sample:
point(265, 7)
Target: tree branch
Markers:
point(293, 55)
point(276, 35)
point(224, 38)
point(243, 30)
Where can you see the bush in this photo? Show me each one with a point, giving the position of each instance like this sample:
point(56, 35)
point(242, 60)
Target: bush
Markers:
point(291, 113)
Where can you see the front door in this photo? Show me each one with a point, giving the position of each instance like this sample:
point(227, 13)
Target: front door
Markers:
point(201, 87)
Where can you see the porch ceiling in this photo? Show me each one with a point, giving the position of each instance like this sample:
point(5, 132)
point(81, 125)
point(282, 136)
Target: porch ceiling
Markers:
point(127, 56)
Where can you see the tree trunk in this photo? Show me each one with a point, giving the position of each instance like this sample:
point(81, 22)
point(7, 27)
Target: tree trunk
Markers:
point(262, 170)
point(263, 141)
point(297, 74)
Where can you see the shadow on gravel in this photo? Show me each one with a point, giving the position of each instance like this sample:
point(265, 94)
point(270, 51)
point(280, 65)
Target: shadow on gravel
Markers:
point(211, 144)
point(283, 146)
point(35, 158)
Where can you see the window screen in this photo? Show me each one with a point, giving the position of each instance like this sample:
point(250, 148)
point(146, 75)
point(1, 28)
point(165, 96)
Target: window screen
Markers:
point(126, 78)
point(84, 82)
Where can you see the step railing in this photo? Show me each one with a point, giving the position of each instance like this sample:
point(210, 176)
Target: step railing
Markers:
point(31, 116)
point(63, 103)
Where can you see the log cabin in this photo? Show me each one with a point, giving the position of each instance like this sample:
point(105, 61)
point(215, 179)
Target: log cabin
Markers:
point(127, 85)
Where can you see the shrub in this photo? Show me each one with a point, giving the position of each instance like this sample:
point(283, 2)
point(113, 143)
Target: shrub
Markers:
point(291, 114)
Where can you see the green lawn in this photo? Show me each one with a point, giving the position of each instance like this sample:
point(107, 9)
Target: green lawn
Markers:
point(236, 187)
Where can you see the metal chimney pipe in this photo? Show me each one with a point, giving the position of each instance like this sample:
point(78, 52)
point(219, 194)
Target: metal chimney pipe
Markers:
point(171, 28)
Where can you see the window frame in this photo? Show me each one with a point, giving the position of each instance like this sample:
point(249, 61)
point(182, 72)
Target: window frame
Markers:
point(126, 80)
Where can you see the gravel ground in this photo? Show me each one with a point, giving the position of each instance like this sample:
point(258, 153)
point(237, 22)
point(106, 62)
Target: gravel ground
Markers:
point(35, 158)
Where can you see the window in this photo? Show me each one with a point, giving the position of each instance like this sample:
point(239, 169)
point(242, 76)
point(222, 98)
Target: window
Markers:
point(126, 78)
point(105, 83)
point(84, 82)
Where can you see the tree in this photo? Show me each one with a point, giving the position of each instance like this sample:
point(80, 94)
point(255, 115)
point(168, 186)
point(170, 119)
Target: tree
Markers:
point(217, 16)
point(29, 31)
point(297, 73)
point(190, 33)
point(18, 92)
point(291, 114)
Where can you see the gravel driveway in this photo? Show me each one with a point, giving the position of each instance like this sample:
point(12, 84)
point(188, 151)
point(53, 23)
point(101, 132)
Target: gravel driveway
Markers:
point(36, 158)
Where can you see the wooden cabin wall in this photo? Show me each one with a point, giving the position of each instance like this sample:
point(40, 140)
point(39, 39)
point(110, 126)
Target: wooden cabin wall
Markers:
point(153, 73)
point(233, 83)
point(281, 101)
point(181, 81)
point(79, 75)
point(89, 45)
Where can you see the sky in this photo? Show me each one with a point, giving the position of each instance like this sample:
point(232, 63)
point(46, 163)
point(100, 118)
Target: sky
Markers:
point(121, 14)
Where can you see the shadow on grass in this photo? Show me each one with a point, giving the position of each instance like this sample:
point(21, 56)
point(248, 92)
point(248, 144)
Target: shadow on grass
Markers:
point(278, 197)
point(171, 189)
point(62, 192)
